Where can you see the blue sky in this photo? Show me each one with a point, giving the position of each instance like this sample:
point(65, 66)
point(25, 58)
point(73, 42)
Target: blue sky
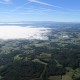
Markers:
point(40, 10)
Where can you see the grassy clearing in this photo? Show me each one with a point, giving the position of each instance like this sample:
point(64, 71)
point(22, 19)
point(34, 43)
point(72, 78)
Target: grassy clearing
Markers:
point(66, 77)
point(55, 78)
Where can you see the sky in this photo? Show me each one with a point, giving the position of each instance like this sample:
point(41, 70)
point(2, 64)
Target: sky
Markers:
point(40, 10)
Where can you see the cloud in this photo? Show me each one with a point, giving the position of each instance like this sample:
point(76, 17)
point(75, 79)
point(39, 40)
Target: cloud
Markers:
point(32, 10)
point(59, 7)
point(44, 3)
point(19, 7)
point(29, 10)
point(17, 32)
point(5, 1)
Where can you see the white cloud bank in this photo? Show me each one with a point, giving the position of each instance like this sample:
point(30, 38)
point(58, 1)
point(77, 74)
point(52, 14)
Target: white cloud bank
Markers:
point(16, 32)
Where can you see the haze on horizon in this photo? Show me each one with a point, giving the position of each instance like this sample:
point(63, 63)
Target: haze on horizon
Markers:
point(40, 10)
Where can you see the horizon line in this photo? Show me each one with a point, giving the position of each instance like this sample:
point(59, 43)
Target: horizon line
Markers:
point(8, 22)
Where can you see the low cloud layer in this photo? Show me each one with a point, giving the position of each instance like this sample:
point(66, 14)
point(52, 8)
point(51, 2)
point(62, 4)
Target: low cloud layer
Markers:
point(16, 32)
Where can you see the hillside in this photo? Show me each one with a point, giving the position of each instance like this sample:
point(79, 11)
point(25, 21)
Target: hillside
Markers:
point(55, 59)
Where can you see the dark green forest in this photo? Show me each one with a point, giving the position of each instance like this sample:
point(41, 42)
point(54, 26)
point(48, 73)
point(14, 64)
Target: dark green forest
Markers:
point(55, 59)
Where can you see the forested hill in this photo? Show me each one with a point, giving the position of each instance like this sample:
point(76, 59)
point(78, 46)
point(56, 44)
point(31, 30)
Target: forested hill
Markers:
point(55, 59)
